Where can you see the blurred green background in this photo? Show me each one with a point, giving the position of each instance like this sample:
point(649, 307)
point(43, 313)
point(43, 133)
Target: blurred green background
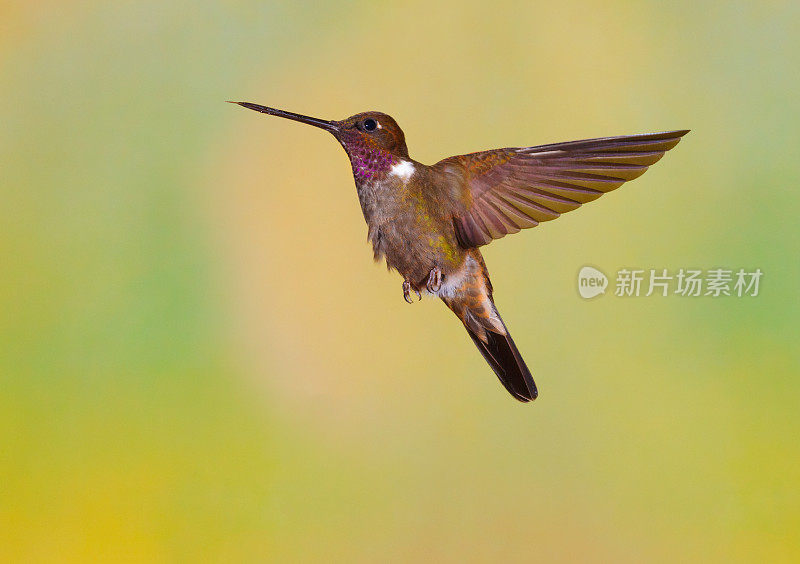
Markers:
point(200, 361)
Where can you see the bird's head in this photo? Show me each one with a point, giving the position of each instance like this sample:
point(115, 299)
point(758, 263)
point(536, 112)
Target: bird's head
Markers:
point(373, 140)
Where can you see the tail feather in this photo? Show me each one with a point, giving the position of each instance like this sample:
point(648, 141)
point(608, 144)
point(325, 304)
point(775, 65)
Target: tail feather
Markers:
point(468, 293)
point(502, 355)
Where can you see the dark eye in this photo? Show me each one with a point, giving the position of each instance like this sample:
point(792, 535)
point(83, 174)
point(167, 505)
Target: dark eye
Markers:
point(370, 124)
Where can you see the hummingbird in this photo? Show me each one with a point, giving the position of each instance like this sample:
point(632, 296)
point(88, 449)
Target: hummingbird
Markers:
point(429, 222)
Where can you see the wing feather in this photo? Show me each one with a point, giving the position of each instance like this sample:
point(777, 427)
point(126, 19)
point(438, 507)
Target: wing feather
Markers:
point(518, 188)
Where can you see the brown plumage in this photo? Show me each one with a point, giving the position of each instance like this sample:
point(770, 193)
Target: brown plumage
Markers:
point(427, 222)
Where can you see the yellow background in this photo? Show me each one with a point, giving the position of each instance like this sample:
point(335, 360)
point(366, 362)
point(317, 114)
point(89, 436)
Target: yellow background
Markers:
point(199, 360)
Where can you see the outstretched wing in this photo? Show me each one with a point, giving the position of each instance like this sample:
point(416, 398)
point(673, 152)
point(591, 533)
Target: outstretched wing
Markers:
point(511, 189)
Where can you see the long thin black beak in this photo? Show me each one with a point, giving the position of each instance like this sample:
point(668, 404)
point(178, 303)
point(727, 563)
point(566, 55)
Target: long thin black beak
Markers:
point(329, 125)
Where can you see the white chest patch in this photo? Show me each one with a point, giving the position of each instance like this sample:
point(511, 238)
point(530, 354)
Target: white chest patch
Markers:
point(402, 170)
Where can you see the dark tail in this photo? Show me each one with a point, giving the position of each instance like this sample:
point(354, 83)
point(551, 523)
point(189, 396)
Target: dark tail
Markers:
point(489, 333)
point(470, 298)
point(502, 355)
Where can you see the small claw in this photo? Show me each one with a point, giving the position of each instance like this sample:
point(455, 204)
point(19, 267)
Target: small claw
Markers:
point(407, 292)
point(434, 280)
point(419, 296)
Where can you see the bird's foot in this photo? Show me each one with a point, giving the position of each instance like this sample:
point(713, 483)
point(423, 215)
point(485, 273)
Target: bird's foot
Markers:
point(434, 280)
point(407, 292)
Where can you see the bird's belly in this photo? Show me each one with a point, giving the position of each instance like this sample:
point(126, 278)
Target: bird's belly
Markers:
point(415, 251)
